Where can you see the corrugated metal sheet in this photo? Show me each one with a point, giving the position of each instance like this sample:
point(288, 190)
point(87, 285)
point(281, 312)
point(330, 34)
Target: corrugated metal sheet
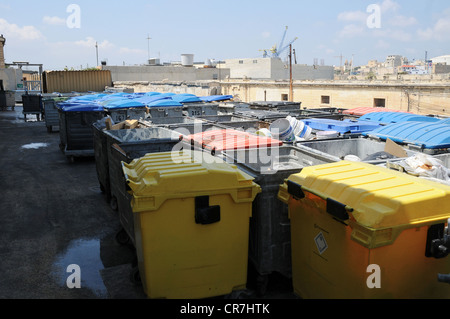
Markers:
point(78, 81)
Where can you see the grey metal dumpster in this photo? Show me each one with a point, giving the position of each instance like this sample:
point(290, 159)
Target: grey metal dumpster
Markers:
point(76, 131)
point(270, 236)
point(51, 115)
point(121, 114)
point(202, 109)
point(32, 104)
point(141, 138)
point(364, 149)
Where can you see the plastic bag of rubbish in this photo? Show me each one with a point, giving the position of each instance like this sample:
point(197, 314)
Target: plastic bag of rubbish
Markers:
point(425, 166)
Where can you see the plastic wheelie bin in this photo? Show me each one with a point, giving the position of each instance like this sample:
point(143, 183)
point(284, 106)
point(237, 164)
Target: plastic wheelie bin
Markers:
point(191, 218)
point(361, 231)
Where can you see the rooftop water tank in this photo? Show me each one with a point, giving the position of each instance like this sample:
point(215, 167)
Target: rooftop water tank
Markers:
point(187, 59)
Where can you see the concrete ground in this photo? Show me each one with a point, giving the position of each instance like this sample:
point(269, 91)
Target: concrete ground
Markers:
point(53, 215)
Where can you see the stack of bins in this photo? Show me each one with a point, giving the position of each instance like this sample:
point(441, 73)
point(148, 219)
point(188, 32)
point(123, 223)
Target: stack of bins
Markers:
point(191, 216)
point(362, 231)
point(75, 128)
point(270, 235)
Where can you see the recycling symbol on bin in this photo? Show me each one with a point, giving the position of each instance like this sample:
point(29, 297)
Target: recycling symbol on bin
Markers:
point(321, 243)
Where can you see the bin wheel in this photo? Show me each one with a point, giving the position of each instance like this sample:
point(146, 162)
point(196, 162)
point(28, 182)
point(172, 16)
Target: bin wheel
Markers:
point(135, 276)
point(122, 237)
point(113, 203)
point(262, 281)
point(102, 188)
point(71, 159)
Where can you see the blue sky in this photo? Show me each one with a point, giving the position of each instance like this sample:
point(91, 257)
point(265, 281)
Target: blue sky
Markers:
point(37, 31)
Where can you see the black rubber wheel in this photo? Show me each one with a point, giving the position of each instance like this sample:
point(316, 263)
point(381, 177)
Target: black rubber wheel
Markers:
point(122, 237)
point(135, 276)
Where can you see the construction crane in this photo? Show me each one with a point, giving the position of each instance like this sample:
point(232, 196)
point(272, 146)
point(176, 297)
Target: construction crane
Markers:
point(276, 51)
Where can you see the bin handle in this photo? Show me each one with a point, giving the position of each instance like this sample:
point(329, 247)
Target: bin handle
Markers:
point(205, 214)
point(334, 208)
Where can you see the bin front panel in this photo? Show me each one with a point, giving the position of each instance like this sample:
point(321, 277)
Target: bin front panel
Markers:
point(191, 218)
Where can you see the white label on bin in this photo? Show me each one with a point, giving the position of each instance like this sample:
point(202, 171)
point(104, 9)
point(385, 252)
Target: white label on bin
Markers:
point(321, 243)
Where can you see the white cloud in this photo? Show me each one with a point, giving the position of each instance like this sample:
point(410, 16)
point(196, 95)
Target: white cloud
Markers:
point(10, 30)
point(397, 34)
point(90, 42)
point(351, 30)
point(440, 30)
point(389, 5)
point(54, 20)
point(354, 16)
point(402, 21)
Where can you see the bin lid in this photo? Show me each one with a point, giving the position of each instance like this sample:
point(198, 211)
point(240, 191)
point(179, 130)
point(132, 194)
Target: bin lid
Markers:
point(397, 117)
point(164, 102)
point(151, 93)
point(152, 98)
point(123, 104)
point(81, 108)
point(379, 197)
point(424, 135)
point(345, 126)
point(360, 111)
point(183, 174)
point(446, 121)
point(186, 98)
point(229, 139)
point(216, 98)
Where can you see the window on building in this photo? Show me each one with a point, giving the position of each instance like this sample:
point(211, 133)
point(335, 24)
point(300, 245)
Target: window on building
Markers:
point(284, 97)
point(379, 102)
point(215, 76)
point(255, 61)
point(241, 61)
point(325, 99)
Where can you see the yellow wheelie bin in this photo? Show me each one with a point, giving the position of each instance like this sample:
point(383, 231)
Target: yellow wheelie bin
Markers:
point(191, 223)
point(360, 231)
